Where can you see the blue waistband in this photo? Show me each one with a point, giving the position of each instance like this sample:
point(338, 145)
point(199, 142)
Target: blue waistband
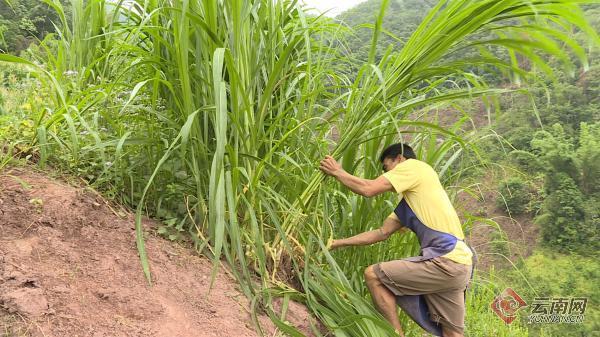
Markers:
point(433, 243)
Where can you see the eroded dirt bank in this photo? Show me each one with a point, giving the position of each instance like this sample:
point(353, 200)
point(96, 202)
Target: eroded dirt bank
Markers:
point(69, 267)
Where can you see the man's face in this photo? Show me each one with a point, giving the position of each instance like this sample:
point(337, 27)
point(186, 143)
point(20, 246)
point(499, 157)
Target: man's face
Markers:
point(390, 163)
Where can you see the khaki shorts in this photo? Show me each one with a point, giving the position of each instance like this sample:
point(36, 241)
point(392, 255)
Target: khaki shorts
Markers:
point(441, 281)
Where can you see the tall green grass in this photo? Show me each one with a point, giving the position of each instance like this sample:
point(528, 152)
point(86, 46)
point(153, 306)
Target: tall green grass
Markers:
point(212, 116)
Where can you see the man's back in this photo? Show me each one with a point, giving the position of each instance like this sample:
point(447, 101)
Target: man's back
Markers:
point(419, 185)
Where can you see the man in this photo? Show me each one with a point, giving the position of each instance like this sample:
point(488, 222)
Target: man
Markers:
point(433, 282)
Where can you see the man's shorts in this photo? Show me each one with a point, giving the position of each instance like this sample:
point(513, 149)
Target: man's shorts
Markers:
point(441, 281)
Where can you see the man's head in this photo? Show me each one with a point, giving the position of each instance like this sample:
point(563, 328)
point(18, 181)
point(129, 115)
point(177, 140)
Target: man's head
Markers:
point(395, 154)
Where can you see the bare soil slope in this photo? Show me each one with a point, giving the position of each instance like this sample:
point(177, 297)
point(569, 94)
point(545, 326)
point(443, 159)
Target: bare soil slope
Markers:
point(69, 267)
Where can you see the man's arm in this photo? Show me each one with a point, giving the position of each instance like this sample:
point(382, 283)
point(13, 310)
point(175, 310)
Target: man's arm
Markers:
point(364, 187)
point(390, 225)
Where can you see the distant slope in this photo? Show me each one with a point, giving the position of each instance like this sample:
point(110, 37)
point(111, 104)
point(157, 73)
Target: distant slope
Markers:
point(401, 19)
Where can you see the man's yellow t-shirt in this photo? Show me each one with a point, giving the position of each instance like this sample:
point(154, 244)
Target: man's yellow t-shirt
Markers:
point(420, 186)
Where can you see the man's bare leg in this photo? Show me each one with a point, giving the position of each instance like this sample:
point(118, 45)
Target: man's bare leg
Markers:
point(384, 299)
point(446, 332)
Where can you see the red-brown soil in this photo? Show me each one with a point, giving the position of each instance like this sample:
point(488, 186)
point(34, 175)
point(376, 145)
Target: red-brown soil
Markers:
point(69, 267)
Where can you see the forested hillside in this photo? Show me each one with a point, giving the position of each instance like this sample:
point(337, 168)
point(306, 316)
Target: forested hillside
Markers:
point(23, 22)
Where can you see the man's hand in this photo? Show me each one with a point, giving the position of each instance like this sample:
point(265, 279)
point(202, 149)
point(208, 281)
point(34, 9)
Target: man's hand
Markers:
point(329, 244)
point(364, 187)
point(330, 166)
point(332, 244)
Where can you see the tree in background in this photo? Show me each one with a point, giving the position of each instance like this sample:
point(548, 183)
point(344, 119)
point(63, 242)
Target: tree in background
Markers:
point(23, 22)
point(515, 196)
point(588, 158)
point(569, 221)
point(563, 222)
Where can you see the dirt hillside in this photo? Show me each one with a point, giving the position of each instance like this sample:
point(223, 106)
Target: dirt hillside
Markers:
point(69, 267)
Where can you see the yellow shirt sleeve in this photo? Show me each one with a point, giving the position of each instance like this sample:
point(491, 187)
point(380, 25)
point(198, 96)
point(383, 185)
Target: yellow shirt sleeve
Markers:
point(404, 176)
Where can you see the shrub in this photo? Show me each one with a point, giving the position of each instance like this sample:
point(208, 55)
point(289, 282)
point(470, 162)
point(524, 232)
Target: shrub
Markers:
point(526, 161)
point(563, 222)
point(514, 196)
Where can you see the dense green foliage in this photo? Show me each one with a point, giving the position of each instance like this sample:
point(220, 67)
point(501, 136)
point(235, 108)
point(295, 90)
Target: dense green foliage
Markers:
point(514, 196)
point(23, 22)
point(564, 154)
point(211, 116)
point(569, 218)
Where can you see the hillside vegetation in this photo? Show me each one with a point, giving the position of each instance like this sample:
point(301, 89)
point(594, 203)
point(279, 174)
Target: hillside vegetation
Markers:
point(211, 116)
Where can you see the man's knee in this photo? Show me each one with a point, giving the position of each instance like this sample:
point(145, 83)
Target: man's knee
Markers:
point(370, 275)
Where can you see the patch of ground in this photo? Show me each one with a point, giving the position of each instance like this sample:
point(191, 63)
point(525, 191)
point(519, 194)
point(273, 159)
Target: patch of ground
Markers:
point(69, 267)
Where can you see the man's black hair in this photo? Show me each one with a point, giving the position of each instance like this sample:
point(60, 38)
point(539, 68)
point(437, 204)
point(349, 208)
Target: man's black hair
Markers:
point(394, 150)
